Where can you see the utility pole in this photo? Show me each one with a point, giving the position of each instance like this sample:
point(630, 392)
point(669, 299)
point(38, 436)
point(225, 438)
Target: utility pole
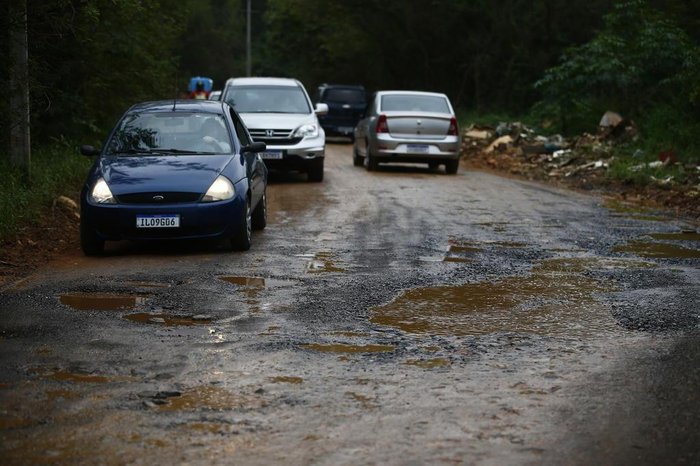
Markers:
point(20, 149)
point(248, 58)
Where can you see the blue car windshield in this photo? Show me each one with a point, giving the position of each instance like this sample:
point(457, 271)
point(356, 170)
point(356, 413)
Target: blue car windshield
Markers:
point(170, 133)
point(414, 103)
point(268, 99)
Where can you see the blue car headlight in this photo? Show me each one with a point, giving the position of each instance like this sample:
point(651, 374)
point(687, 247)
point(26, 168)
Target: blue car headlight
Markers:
point(221, 189)
point(101, 194)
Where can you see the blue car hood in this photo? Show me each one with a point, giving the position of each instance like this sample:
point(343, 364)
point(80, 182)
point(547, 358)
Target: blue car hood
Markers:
point(167, 173)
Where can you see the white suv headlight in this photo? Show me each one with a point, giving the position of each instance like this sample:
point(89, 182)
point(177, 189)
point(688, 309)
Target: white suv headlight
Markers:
point(101, 194)
point(306, 131)
point(220, 190)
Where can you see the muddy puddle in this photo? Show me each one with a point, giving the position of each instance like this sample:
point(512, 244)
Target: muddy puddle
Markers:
point(102, 301)
point(657, 250)
point(677, 236)
point(352, 349)
point(168, 320)
point(287, 379)
point(633, 212)
point(322, 262)
point(208, 398)
point(62, 375)
point(428, 363)
point(556, 298)
point(248, 282)
point(464, 251)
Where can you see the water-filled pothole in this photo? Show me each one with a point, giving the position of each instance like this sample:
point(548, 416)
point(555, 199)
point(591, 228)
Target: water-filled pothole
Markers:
point(287, 379)
point(556, 298)
point(168, 320)
point(345, 348)
point(210, 398)
point(658, 250)
point(323, 262)
point(428, 363)
point(102, 301)
point(677, 236)
point(250, 282)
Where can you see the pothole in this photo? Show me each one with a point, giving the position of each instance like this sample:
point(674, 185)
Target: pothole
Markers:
point(287, 379)
point(657, 250)
point(102, 301)
point(168, 320)
point(677, 236)
point(249, 282)
point(208, 398)
point(557, 298)
point(323, 262)
point(345, 348)
point(428, 363)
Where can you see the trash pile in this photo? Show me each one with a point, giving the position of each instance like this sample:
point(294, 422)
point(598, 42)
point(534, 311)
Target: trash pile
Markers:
point(517, 148)
point(580, 161)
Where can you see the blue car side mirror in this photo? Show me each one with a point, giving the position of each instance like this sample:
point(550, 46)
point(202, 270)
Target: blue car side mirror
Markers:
point(89, 150)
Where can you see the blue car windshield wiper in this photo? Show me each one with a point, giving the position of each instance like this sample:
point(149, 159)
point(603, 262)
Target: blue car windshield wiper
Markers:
point(180, 151)
point(130, 151)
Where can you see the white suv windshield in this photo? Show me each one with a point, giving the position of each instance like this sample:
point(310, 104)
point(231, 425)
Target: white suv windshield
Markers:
point(267, 99)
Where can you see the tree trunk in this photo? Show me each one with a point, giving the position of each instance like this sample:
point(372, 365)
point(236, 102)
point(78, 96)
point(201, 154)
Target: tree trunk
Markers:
point(20, 148)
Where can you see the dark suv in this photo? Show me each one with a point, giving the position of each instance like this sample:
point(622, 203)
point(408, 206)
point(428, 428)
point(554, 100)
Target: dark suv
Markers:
point(346, 105)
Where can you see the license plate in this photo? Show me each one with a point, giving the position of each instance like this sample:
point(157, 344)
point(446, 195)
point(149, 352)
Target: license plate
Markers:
point(345, 129)
point(157, 221)
point(418, 148)
point(271, 154)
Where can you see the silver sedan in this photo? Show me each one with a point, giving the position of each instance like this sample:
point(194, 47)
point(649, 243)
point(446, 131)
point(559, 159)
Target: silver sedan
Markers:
point(408, 126)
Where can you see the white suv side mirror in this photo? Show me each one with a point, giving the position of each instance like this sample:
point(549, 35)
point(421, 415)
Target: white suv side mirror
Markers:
point(321, 109)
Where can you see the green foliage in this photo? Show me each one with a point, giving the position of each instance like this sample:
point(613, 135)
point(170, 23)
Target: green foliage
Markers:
point(640, 57)
point(57, 169)
point(213, 40)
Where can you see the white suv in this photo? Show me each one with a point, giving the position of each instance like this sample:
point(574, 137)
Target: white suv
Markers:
point(278, 112)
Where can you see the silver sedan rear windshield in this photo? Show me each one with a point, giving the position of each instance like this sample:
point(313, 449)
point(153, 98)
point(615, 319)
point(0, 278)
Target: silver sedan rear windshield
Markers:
point(172, 133)
point(267, 99)
point(414, 103)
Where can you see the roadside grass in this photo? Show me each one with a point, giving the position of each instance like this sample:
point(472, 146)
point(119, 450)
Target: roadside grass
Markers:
point(636, 171)
point(56, 169)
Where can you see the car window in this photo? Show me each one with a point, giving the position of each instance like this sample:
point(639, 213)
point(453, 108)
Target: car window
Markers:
point(241, 131)
point(351, 96)
point(267, 99)
point(372, 105)
point(414, 103)
point(176, 132)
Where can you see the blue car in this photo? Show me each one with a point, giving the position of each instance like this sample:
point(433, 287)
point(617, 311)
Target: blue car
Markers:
point(181, 169)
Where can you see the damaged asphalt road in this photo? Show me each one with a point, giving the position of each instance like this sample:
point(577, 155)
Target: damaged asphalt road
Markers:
point(390, 317)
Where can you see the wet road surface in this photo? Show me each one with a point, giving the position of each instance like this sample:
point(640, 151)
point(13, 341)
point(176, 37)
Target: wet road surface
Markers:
point(395, 317)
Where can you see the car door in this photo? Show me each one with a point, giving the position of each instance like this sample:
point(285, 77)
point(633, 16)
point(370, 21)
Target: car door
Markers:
point(255, 167)
point(362, 133)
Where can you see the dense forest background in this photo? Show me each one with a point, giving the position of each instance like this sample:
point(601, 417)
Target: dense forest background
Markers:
point(564, 61)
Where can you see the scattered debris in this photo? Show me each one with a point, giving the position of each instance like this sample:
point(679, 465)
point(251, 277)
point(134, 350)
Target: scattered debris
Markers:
point(581, 161)
point(66, 203)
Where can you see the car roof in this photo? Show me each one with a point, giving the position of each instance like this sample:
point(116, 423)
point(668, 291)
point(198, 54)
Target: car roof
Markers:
point(179, 105)
point(342, 86)
point(263, 81)
point(436, 94)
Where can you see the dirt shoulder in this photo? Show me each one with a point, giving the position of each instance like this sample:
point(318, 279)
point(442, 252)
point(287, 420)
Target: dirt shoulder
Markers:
point(36, 244)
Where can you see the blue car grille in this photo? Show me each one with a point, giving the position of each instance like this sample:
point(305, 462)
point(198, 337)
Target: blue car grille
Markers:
point(153, 198)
